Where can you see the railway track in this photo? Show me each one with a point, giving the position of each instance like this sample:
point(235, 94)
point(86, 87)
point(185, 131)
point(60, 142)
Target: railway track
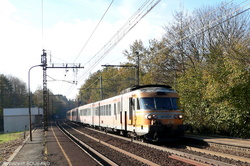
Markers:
point(138, 160)
point(158, 155)
point(98, 157)
point(224, 143)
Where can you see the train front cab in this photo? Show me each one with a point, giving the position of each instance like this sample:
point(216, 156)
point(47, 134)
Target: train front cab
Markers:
point(157, 116)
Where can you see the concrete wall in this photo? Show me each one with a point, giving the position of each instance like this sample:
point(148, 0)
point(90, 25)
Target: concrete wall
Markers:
point(17, 119)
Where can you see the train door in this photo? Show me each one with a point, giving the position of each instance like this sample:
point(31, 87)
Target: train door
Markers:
point(114, 114)
point(118, 116)
point(77, 116)
point(93, 114)
point(130, 107)
point(132, 115)
point(99, 114)
point(121, 108)
point(125, 122)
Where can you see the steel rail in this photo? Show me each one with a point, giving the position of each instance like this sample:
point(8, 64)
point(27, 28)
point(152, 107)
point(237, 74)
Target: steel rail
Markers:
point(229, 156)
point(87, 149)
point(143, 160)
point(196, 158)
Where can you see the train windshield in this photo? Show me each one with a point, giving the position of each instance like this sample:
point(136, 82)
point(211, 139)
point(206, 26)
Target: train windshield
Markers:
point(159, 103)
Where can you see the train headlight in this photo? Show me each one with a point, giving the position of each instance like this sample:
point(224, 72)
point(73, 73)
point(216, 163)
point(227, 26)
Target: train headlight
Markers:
point(151, 116)
point(178, 116)
point(154, 116)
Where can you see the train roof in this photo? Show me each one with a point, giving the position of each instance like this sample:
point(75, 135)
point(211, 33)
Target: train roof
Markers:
point(148, 88)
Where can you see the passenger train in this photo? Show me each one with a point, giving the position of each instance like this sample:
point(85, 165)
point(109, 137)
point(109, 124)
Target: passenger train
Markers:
point(149, 112)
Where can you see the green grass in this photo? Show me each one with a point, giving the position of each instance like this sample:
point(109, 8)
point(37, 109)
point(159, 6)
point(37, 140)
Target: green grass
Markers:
point(10, 136)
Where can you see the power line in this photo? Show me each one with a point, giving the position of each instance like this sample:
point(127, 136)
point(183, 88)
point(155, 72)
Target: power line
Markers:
point(127, 26)
point(67, 81)
point(130, 24)
point(210, 13)
point(146, 7)
point(195, 33)
point(226, 19)
point(94, 30)
point(70, 89)
point(199, 31)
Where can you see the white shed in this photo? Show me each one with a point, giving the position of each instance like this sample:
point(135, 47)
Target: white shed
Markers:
point(17, 119)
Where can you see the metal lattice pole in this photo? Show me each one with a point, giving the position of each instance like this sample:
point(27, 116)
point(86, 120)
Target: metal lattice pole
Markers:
point(45, 96)
point(45, 90)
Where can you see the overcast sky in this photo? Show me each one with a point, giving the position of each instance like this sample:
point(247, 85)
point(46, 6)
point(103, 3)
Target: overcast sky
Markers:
point(62, 27)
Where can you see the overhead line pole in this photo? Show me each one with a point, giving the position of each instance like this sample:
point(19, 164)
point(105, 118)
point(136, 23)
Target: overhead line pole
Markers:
point(45, 97)
point(45, 91)
point(138, 68)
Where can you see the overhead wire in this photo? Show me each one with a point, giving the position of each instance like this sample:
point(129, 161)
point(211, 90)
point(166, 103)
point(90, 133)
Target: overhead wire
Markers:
point(70, 89)
point(94, 31)
point(205, 26)
point(218, 19)
point(133, 20)
point(210, 24)
point(208, 14)
point(136, 14)
point(199, 31)
point(146, 7)
point(92, 83)
point(136, 17)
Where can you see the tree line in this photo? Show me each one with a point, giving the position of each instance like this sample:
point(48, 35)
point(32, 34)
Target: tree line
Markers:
point(205, 56)
point(14, 94)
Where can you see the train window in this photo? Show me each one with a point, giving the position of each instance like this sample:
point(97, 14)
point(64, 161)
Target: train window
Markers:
point(175, 103)
point(147, 103)
point(101, 110)
point(159, 103)
point(118, 107)
point(137, 103)
point(114, 109)
point(105, 110)
point(163, 103)
point(97, 112)
point(109, 109)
